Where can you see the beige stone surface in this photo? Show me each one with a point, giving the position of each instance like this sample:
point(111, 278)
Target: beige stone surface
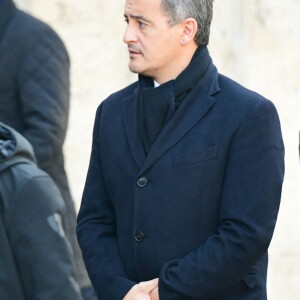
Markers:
point(255, 42)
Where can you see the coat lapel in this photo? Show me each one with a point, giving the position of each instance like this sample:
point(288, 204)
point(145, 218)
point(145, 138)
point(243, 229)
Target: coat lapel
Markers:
point(129, 110)
point(199, 101)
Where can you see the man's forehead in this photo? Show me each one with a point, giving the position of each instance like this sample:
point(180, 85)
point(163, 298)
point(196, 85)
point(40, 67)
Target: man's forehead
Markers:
point(141, 5)
point(138, 17)
point(132, 2)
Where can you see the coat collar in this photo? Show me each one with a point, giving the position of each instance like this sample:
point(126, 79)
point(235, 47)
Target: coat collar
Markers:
point(157, 105)
point(194, 107)
point(7, 9)
point(130, 118)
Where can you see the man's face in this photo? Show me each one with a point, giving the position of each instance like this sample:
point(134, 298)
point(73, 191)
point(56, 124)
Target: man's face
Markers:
point(153, 44)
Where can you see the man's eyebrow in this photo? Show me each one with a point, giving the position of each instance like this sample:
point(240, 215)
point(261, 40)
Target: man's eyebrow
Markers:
point(137, 17)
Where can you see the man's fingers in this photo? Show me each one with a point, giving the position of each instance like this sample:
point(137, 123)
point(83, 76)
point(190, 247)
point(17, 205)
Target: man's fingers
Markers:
point(149, 285)
point(154, 294)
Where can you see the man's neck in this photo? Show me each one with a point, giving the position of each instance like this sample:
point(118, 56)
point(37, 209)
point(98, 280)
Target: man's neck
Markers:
point(178, 66)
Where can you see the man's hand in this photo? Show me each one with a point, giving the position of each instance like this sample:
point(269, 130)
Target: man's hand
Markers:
point(154, 294)
point(142, 290)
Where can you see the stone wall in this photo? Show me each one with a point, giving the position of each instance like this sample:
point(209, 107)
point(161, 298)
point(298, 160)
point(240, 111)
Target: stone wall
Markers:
point(255, 42)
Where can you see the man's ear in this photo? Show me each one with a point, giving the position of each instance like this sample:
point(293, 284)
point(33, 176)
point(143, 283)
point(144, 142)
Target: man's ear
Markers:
point(190, 28)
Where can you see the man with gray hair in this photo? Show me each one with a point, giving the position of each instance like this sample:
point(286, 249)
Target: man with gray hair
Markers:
point(185, 176)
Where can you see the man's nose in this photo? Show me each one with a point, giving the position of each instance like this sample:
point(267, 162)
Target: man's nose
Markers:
point(129, 35)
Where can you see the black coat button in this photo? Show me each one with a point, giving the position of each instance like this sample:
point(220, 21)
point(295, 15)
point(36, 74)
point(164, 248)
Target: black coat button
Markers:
point(139, 237)
point(142, 182)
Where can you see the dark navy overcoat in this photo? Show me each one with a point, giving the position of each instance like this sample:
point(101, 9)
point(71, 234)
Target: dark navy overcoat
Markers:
point(199, 211)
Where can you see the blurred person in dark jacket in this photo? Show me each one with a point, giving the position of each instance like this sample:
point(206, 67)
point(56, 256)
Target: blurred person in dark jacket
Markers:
point(34, 100)
point(35, 257)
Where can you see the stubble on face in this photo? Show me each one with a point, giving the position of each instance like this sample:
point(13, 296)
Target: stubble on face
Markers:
point(152, 42)
point(135, 55)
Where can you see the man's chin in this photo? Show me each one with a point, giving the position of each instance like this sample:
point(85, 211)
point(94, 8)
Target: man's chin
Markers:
point(135, 69)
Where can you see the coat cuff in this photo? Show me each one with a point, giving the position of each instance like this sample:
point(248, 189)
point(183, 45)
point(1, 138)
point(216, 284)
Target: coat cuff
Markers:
point(116, 290)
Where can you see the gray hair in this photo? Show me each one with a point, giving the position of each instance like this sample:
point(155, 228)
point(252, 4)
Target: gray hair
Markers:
point(200, 10)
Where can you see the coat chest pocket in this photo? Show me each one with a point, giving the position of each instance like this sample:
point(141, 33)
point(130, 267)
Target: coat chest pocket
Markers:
point(196, 157)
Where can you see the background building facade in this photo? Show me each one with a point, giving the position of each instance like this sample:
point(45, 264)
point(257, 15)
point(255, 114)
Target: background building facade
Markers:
point(255, 42)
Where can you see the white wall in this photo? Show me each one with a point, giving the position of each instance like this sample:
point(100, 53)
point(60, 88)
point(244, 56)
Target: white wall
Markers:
point(255, 42)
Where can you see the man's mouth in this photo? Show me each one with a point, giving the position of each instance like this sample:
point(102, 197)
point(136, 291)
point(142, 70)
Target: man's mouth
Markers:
point(133, 52)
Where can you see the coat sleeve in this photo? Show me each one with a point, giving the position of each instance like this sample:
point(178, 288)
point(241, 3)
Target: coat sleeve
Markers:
point(248, 210)
point(42, 253)
point(43, 81)
point(96, 231)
